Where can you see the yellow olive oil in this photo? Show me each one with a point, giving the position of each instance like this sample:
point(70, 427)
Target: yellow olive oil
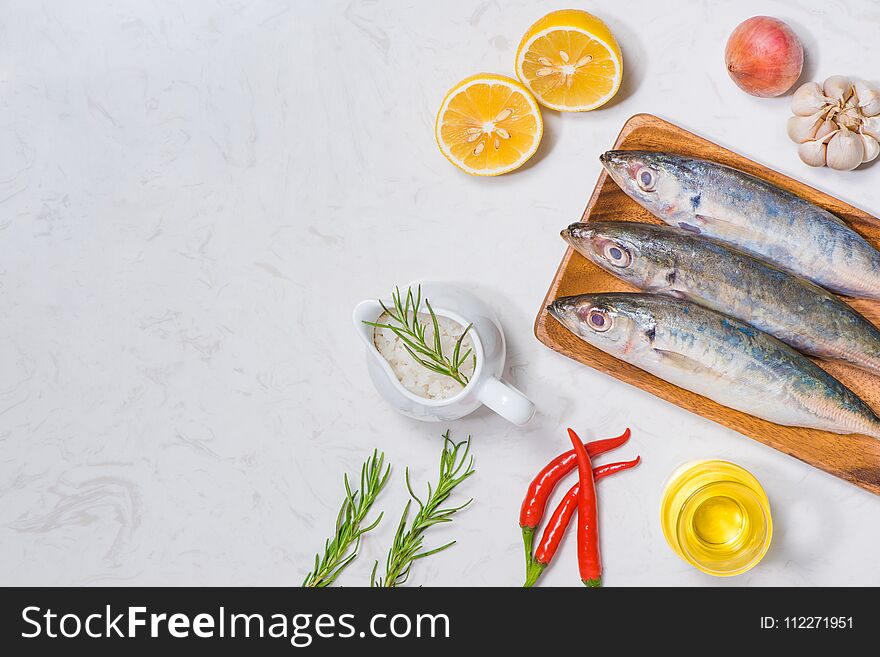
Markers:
point(716, 516)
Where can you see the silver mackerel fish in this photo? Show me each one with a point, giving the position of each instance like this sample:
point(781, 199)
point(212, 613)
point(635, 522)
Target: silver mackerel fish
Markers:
point(714, 200)
point(670, 261)
point(718, 357)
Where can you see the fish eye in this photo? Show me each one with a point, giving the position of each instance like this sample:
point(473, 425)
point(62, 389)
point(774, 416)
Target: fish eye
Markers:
point(616, 254)
point(646, 179)
point(598, 320)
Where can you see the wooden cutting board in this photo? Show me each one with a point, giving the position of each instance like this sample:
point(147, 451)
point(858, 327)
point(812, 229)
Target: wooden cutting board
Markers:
point(854, 458)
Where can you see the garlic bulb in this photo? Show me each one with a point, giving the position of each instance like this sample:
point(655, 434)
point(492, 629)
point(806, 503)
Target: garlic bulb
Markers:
point(868, 97)
point(808, 99)
point(845, 150)
point(838, 87)
point(803, 128)
point(872, 148)
point(836, 124)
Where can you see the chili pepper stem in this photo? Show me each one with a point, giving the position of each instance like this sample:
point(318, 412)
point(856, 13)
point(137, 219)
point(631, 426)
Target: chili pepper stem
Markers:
point(528, 534)
point(593, 583)
point(533, 572)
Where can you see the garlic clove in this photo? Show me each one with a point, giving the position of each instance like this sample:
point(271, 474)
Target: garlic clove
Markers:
point(845, 150)
point(868, 97)
point(871, 126)
point(803, 128)
point(808, 99)
point(812, 153)
point(872, 148)
point(826, 128)
point(838, 87)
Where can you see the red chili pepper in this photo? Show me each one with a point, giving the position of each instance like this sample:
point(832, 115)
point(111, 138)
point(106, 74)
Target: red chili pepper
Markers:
point(558, 523)
point(535, 502)
point(589, 559)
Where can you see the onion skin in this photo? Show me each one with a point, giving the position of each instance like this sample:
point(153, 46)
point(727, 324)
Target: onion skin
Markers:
point(764, 56)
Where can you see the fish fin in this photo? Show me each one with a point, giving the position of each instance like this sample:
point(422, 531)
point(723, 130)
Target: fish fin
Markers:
point(690, 227)
point(686, 363)
point(723, 229)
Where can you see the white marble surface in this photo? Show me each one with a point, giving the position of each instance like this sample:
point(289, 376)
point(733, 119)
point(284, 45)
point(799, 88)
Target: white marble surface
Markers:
point(193, 196)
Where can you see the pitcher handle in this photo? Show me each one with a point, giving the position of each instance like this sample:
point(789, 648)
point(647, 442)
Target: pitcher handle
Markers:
point(506, 400)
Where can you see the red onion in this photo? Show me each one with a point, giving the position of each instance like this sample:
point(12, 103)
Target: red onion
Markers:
point(764, 56)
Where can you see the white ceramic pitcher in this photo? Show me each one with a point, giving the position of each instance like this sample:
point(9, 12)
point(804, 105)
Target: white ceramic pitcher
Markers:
point(484, 387)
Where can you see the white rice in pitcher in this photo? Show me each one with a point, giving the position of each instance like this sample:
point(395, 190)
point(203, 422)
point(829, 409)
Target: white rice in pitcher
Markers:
point(414, 376)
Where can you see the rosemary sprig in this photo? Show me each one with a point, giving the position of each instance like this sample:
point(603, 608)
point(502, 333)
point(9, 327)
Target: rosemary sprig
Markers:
point(355, 508)
point(455, 467)
point(412, 332)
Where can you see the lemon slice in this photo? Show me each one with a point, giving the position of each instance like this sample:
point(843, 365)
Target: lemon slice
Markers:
point(570, 61)
point(488, 125)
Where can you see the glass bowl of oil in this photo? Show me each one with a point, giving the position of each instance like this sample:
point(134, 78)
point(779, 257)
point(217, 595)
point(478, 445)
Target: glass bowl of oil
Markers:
point(716, 516)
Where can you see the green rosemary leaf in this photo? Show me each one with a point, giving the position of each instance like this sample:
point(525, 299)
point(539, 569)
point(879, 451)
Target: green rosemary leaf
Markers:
point(415, 346)
point(457, 350)
point(428, 553)
point(371, 526)
point(457, 359)
point(438, 345)
point(426, 364)
point(408, 300)
point(412, 494)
